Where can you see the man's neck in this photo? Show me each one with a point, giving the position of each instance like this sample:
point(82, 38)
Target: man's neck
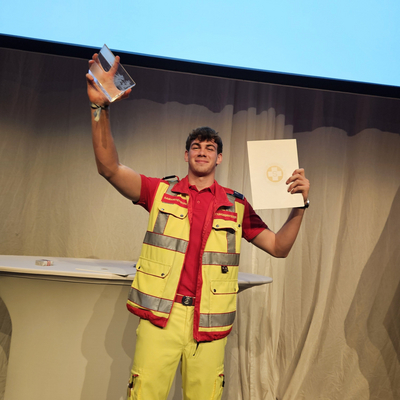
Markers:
point(201, 182)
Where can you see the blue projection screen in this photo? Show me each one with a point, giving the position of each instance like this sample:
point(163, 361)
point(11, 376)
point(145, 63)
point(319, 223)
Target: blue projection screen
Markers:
point(347, 40)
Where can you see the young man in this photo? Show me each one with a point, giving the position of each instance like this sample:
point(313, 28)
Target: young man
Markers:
point(186, 282)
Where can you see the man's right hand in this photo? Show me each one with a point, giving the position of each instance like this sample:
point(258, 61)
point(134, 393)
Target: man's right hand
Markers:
point(124, 179)
point(107, 78)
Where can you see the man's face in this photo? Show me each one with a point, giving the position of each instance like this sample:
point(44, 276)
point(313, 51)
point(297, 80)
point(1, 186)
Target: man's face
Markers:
point(203, 157)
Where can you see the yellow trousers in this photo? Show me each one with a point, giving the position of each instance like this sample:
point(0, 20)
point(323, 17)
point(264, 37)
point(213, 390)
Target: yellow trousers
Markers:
point(157, 355)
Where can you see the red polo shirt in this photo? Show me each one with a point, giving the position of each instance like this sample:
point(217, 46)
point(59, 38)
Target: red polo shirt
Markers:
point(200, 200)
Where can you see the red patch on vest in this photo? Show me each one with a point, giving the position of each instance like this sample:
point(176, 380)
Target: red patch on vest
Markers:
point(167, 198)
point(226, 215)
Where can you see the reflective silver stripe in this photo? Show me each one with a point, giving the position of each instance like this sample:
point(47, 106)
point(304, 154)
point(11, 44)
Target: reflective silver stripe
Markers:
point(210, 258)
point(161, 222)
point(165, 242)
point(215, 320)
point(170, 187)
point(231, 198)
point(150, 302)
point(230, 238)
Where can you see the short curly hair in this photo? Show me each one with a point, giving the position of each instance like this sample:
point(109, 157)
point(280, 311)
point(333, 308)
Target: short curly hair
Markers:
point(204, 134)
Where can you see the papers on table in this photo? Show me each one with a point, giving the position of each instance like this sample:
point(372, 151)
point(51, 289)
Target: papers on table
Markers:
point(104, 270)
point(271, 163)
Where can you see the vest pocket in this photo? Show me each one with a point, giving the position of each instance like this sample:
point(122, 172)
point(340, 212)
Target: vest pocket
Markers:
point(223, 295)
point(221, 224)
point(151, 277)
point(153, 268)
point(174, 209)
point(224, 234)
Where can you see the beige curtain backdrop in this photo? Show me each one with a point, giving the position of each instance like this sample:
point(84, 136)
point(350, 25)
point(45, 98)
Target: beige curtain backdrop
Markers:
point(328, 327)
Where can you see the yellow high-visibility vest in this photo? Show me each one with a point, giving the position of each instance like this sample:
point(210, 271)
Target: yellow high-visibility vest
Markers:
point(163, 254)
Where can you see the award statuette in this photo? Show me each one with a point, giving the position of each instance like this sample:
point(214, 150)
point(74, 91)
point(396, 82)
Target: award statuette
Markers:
point(122, 80)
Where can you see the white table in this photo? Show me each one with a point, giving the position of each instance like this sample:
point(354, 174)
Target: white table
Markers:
point(72, 336)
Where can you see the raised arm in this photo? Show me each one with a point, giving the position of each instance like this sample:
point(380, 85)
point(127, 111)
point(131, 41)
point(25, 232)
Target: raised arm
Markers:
point(279, 244)
point(124, 179)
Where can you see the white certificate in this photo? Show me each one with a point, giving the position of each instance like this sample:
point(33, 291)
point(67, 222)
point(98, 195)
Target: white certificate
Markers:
point(271, 163)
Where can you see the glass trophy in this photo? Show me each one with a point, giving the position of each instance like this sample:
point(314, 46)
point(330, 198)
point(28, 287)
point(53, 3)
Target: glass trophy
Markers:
point(113, 89)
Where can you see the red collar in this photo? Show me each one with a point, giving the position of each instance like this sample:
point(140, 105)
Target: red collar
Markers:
point(209, 189)
point(219, 192)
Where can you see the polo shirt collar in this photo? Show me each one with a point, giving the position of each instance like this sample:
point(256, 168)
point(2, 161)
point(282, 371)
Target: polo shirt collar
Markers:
point(222, 200)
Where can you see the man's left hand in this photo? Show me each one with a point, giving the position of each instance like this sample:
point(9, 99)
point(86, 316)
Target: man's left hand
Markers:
point(298, 183)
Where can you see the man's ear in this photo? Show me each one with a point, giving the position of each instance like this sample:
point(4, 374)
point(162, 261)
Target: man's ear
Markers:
point(219, 158)
point(186, 156)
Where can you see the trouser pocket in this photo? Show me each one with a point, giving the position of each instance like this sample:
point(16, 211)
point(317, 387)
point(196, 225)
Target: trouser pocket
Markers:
point(133, 392)
point(219, 387)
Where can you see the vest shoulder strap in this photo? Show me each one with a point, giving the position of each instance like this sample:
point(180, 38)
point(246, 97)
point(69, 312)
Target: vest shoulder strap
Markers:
point(171, 178)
